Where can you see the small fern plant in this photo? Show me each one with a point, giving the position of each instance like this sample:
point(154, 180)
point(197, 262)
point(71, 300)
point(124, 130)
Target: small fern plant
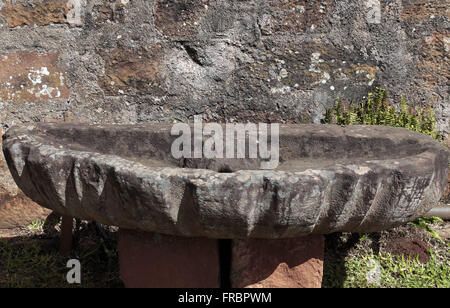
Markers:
point(375, 110)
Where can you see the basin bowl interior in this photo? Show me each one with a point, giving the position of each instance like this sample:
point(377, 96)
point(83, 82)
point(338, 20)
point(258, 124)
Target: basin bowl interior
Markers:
point(301, 147)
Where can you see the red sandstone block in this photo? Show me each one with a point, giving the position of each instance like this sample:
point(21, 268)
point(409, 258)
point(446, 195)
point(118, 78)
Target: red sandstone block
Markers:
point(287, 263)
point(151, 260)
point(41, 13)
point(32, 77)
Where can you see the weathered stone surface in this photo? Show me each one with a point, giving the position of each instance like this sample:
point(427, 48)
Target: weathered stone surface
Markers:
point(424, 10)
point(286, 69)
point(447, 191)
point(110, 12)
point(150, 260)
point(290, 263)
point(294, 16)
point(243, 60)
point(31, 77)
point(133, 71)
point(330, 179)
point(179, 18)
point(40, 13)
point(435, 59)
point(36, 12)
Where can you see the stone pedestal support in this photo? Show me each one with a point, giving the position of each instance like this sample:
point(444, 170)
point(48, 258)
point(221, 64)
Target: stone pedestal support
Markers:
point(152, 260)
point(287, 263)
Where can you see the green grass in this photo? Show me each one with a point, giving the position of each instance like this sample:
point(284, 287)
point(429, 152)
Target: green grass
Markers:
point(27, 265)
point(393, 272)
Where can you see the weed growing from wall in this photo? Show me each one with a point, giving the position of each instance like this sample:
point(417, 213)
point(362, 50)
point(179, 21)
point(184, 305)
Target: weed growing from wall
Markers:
point(376, 110)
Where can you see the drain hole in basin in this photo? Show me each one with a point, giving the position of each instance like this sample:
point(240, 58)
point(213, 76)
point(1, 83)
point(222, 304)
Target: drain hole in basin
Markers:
point(225, 169)
point(225, 253)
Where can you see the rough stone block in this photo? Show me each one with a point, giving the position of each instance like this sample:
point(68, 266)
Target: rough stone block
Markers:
point(110, 12)
point(287, 263)
point(276, 60)
point(133, 71)
point(31, 77)
point(424, 10)
point(179, 18)
point(42, 13)
point(151, 260)
point(296, 16)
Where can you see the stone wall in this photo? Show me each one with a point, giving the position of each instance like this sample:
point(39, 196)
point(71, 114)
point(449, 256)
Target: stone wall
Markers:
point(129, 61)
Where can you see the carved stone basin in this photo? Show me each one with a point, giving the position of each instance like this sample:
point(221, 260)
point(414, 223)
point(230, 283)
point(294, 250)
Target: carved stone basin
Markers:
point(330, 178)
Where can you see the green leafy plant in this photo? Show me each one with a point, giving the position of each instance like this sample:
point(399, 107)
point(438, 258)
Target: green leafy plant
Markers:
point(36, 225)
point(425, 223)
point(375, 110)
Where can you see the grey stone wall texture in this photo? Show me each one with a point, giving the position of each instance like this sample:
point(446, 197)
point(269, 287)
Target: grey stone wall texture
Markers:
point(134, 61)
